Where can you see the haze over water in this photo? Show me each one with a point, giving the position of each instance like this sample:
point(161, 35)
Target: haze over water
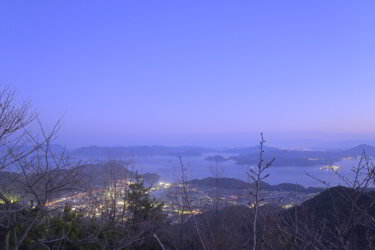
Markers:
point(169, 169)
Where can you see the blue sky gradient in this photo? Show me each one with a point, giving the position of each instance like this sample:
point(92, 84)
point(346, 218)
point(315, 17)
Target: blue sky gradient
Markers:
point(193, 72)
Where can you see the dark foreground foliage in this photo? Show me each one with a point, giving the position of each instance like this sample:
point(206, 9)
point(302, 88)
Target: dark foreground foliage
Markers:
point(338, 218)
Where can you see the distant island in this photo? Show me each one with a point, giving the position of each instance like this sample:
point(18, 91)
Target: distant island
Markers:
point(216, 158)
point(241, 156)
point(231, 183)
point(290, 158)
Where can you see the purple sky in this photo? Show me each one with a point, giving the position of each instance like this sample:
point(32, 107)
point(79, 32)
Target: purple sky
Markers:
point(193, 72)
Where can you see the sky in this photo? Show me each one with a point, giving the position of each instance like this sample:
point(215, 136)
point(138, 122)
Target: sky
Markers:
point(194, 72)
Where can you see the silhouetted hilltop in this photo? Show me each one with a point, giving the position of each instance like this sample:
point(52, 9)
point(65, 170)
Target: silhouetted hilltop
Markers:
point(338, 200)
point(289, 187)
point(340, 216)
point(106, 173)
point(358, 150)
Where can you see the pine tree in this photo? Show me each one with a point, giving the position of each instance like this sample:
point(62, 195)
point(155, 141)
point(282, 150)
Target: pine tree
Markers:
point(143, 209)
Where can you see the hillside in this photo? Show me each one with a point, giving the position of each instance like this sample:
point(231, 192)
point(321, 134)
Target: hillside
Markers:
point(339, 217)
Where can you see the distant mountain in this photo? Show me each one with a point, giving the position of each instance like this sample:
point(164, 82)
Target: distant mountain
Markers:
point(358, 150)
point(118, 152)
point(290, 187)
point(248, 150)
point(242, 156)
point(106, 173)
point(123, 151)
point(304, 158)
point(290, 158)
point(231, 183)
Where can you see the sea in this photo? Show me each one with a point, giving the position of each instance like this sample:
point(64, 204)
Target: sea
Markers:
point(196, 167)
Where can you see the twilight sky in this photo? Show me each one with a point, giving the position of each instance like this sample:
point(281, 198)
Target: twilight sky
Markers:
point(193, 72)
